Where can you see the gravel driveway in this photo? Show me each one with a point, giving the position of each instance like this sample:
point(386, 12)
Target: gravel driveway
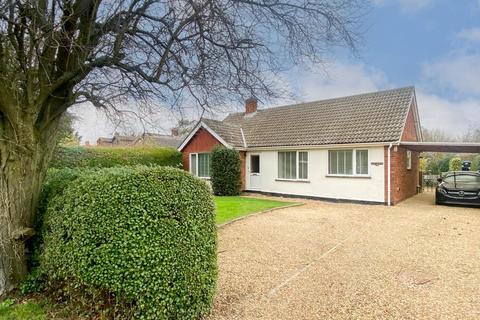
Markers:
point(347, 261)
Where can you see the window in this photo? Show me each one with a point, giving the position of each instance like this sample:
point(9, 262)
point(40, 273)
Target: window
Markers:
point(193, 164)
point(342, 162)
point(362, 162)
point(200, 164)
point(289, 168)
point(204, 165)
point(409, 159)
point(303, 165)
point(254, 164)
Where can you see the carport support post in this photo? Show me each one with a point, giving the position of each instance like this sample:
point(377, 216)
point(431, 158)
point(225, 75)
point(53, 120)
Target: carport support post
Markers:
point(389, 174)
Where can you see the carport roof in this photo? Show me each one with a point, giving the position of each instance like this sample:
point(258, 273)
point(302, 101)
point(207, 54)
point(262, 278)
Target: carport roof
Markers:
point(460, 147)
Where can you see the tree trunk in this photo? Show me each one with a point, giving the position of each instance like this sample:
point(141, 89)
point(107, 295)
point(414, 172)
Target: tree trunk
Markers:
point(24, 157)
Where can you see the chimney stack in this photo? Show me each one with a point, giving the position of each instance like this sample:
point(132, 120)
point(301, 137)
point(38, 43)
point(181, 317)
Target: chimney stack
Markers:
point(174, 132)
point(250, 105)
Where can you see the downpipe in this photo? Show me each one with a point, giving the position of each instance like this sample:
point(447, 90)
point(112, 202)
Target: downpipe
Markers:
point(389, 187)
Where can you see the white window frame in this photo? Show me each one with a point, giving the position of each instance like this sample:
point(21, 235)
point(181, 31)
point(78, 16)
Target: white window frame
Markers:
point(297, 165)
point(354, 163)
point(196, 163)
point(409, 160)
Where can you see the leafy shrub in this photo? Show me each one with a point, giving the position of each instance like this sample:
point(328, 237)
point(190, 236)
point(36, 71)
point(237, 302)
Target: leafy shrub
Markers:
point(55, 183)
point(106, 157)
point(476, 164)
point(444, 164)
point(144, 235)
point(225, 174)
point(455, 164)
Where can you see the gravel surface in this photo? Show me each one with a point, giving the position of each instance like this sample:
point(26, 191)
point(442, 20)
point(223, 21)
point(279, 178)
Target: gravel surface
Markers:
point(346, 261)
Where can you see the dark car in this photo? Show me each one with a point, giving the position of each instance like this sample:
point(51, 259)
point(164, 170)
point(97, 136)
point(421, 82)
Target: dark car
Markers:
point(460, 187)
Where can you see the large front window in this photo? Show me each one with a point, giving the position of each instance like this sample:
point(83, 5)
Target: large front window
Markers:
point(348, 162)
point(200, 164)
point(293, 165)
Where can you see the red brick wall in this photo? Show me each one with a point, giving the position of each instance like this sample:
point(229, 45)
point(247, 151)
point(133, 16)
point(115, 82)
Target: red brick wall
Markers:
point(410, 131)
point(203, 141)
point(404, 181)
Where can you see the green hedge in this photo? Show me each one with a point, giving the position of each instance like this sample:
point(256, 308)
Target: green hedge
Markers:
point(55, 183)
point(144, 235)
point(106, 157)
point(225, 173)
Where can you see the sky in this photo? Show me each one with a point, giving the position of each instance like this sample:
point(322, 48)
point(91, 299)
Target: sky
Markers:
point(433, 45)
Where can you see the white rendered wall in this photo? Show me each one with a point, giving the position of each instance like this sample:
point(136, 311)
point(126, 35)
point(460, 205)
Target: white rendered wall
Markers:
point(319, 184)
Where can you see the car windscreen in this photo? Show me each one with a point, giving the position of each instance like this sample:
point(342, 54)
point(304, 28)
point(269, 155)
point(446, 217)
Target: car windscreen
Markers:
point(463, 180)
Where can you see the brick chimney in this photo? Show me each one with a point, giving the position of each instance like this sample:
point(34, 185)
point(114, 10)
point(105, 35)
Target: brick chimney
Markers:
point(250, 105)
point(174, 132)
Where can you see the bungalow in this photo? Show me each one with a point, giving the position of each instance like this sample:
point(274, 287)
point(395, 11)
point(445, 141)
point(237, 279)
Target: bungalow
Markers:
point(347, 148)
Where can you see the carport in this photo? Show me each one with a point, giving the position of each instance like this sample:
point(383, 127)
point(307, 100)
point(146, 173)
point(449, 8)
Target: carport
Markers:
point(449, 147)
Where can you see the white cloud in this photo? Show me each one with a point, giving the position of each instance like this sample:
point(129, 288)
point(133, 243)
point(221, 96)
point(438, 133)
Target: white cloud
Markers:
point(338, 79)
point(406, 5)
point(460, 72)
point(470, 35)
point(453, 117)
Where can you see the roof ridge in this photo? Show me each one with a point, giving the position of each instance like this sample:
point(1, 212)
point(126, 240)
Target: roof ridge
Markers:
point(329, 99)
point(342, 97)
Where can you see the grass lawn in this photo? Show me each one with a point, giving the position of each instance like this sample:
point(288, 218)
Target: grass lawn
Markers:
point(30, 310)
point(229, 208)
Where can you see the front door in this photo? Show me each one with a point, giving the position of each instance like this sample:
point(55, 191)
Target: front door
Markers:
point(254, 171)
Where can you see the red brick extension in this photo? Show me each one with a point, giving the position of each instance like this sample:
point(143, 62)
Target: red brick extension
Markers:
point(204, 142)
point(403, 182)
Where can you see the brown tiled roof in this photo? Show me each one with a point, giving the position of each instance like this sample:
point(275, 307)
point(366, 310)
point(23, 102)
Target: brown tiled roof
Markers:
point(231, 133)
point(371, 117)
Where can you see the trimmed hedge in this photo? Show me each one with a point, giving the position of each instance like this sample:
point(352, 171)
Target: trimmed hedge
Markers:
point(106, 157)
point(455, 164)
point(226, 172)
point(144, 235)
point(55, 183)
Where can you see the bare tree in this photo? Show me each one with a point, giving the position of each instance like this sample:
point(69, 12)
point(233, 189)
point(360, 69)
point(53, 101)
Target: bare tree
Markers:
point(57, 53)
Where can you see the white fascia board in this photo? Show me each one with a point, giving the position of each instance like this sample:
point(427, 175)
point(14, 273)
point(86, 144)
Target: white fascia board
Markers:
point(194, 131)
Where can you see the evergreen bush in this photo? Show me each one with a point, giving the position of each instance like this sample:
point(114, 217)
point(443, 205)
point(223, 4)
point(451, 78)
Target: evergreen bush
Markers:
point(226, 172)
point(143, 235)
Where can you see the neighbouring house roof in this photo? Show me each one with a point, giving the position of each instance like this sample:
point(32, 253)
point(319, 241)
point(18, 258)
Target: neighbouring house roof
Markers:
point(104, 140)
point(160, 140)
point(123, 140)
point(364, 118)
